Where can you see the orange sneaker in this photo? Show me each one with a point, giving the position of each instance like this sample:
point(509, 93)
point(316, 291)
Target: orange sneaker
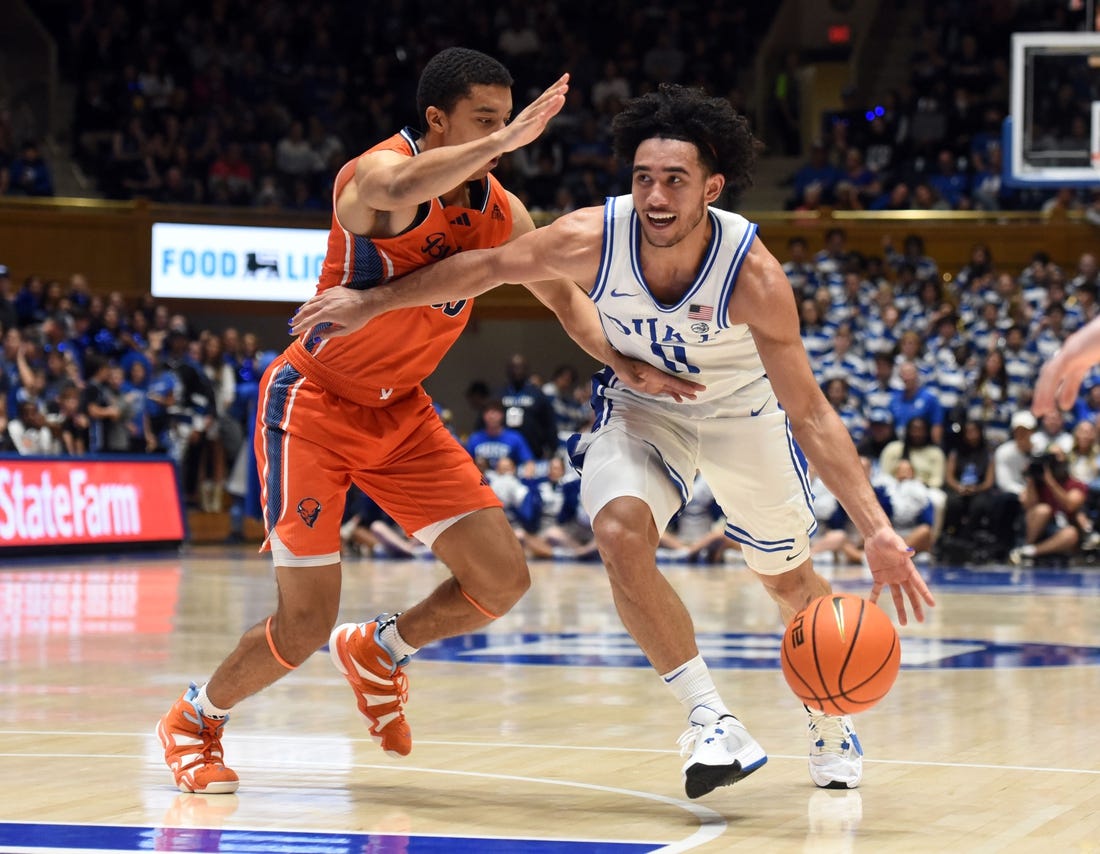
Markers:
point(192, 746)
point(380, 684)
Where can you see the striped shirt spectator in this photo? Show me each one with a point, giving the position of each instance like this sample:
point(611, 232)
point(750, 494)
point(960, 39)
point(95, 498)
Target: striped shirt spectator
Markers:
point(800, 272)
point(846, 406)
point(951, 383)
point(815, 335)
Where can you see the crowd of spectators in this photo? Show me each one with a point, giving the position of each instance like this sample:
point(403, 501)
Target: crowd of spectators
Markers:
point(226, 103)
point(230, 102)
point(939, 376)
point(84, 373)
point(930, 373)
point(935, 143)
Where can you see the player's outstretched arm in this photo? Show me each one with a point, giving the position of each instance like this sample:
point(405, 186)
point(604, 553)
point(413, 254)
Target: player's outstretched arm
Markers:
point(562, 250)
point(388, 182)
point(763, 299)
point(1060, 378)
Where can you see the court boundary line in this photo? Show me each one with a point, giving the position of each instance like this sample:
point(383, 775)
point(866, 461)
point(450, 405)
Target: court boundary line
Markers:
point(712, 824)
point(6, 849)
point(248, 829)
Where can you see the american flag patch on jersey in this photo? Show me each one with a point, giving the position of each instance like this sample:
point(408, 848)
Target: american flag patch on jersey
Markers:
point(700, 312)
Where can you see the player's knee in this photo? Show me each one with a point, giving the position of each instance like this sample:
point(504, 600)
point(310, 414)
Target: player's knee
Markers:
point(618, 538)
point(497, 591)
point(497, 601)
point(792, 586)
point(507, 590)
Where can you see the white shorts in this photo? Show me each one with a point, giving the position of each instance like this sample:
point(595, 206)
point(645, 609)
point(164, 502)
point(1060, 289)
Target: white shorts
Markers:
point(751, 463)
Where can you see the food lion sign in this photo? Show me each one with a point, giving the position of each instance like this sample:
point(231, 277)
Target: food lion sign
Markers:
point(232, 262)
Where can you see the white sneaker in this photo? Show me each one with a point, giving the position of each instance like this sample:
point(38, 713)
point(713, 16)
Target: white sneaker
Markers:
point(1023, 556)
point(721, 752)
point(836, 756)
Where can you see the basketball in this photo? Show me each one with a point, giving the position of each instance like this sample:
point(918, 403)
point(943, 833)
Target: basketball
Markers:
point(840, 654)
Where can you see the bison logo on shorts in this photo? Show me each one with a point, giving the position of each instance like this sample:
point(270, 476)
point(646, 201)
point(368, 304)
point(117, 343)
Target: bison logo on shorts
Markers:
point(309, 509)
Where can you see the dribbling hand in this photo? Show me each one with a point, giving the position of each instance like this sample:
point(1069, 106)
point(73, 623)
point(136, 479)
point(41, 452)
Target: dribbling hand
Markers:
point(892, 566)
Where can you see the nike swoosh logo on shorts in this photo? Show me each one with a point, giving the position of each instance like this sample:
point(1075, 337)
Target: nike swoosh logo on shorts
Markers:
point(754, 412)
point(796, 554)
point(674, 675)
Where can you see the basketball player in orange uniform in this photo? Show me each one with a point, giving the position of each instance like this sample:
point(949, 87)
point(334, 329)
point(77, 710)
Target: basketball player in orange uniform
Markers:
point(353, 410)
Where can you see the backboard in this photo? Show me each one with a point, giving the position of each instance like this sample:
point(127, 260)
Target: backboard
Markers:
point(1052, 133)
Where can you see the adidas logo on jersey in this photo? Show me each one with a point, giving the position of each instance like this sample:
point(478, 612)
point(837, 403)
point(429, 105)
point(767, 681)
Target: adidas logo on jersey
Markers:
point(463, 219)
point(497, 213)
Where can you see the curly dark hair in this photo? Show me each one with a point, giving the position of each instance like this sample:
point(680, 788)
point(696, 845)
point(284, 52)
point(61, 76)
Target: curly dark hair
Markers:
point(725, 142)
point(451, 73)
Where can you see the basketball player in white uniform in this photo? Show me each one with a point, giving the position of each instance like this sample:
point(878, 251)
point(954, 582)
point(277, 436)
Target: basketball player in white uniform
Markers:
point(689, 289)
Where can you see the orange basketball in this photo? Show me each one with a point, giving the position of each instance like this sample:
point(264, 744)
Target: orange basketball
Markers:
point(840, 654)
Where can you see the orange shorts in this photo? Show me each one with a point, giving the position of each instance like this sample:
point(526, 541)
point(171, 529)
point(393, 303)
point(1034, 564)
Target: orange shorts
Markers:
point(311, 445)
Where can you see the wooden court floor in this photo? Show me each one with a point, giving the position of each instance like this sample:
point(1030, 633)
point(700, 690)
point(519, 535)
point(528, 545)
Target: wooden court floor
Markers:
point(547, 733)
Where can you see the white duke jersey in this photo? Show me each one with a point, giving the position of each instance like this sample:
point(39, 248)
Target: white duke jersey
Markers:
point(693, 338)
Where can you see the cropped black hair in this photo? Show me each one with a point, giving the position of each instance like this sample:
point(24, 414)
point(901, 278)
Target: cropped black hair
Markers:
point(450, 74)
point(722, 136)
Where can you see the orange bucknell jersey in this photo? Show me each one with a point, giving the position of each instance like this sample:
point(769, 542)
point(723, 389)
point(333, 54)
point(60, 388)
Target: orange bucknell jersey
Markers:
point(399, 349)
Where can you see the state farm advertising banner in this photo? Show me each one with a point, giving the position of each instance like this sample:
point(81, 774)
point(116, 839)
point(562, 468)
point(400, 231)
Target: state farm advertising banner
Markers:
point(60, 502)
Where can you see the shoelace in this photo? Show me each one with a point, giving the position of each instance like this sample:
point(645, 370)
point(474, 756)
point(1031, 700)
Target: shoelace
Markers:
point(691, 735)
point(400, 680)
point(401, 683)
point(832, 735)
point(688, 738)
point(211, 753)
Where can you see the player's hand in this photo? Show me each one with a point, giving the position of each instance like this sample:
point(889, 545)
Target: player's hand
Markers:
point(892, 566)
point(642, 376)
point(532, 120)
point(334, 312)
point(1060, 379)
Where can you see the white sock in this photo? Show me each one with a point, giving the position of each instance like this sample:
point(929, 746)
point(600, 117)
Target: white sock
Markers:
point(206, 708)
point(392, 640)
point(692, 685)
